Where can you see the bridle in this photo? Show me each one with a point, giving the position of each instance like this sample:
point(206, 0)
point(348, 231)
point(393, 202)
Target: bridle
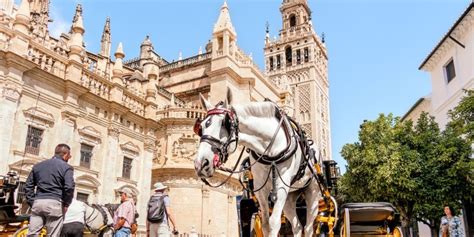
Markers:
point(231, 123)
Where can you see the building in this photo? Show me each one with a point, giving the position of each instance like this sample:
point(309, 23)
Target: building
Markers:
point(130, 122)
point(450, 65)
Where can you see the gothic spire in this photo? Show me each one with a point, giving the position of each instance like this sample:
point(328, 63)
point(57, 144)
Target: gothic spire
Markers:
point(76, 15)
point(77, 36)
point(106, 39)
point(224, 22)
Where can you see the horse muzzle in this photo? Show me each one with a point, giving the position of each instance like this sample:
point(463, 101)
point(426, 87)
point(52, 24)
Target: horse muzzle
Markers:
point(204, 169)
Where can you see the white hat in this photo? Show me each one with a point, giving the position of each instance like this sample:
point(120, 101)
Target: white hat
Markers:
point(127, 191)
point(159, 186)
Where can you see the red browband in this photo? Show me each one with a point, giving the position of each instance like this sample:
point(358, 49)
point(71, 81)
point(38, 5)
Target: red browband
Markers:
point(220, 111)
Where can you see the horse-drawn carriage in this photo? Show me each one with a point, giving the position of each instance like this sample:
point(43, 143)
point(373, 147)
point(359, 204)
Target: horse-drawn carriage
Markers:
point(98, 218)
point(9, 221)
point(287, 184)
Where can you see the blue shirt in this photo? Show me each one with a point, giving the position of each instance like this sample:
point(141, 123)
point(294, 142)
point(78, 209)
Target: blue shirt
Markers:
point(53, 179)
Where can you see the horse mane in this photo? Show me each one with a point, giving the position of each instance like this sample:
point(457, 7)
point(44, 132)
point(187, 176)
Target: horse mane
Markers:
point(256, 109)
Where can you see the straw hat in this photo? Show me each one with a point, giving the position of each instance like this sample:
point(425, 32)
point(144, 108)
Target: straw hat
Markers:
point(159, 186)
point(127, 191)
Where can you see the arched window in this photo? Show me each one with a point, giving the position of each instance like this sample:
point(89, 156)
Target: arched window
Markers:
point(288, 56)
point(292, 20)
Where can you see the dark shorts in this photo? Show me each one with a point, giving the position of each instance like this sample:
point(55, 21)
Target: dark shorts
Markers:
point(73, 229)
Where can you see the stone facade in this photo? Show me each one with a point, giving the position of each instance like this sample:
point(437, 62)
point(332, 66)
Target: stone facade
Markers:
point(129, 123)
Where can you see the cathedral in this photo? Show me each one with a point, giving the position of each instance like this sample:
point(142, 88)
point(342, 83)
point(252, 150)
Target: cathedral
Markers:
point(130, 122)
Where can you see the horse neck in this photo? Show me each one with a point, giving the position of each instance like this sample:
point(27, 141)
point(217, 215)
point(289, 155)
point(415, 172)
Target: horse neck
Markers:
point(257, 131)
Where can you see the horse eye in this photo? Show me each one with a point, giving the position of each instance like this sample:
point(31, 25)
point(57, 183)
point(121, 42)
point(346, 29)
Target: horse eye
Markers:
point(208, 122)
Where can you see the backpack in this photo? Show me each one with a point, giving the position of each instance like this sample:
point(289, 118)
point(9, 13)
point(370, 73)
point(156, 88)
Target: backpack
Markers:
point(156, 209)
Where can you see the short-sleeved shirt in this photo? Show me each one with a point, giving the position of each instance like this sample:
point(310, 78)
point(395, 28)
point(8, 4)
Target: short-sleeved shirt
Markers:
point(455, 226)
point(126, 210)
point(166, 201)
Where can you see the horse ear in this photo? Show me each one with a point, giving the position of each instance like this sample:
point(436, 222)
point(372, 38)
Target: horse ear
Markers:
point(205, 103)
point(228, 98)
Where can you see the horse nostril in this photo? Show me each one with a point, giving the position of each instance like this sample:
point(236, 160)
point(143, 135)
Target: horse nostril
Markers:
point(205, 163)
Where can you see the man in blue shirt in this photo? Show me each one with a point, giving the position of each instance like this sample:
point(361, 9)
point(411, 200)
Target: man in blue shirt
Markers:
point(54, 182)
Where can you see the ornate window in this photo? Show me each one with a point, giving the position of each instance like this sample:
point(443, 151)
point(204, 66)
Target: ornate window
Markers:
point(86, 155)
point(292, 20)
point(127, 167)
point(33, 140)
point(298, 56)
point(450, 71)
point(271, 63)
point(288, 56)
point(306, 55)
point(278, 61)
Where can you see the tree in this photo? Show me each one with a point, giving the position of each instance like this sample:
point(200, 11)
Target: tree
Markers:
point(462, 117)
point(414, 167)
point(462, 125)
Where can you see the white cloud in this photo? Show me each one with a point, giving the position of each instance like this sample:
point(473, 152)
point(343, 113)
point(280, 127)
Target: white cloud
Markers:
point(59, 24)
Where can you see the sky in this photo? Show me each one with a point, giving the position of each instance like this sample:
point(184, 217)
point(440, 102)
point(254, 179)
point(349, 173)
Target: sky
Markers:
point(374, 46)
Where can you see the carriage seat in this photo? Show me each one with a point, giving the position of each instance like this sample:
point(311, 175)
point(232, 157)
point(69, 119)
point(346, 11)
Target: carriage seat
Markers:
point(370, 212)
point(371, 219)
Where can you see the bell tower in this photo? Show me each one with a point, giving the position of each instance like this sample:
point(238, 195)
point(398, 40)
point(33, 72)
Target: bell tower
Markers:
point(297, 60)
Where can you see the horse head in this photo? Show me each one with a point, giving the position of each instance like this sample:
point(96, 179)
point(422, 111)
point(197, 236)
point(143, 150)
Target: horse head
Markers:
point(219, 136)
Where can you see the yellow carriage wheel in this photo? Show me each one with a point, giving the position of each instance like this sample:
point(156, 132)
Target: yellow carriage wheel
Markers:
point(397, 232)
point(23, 232)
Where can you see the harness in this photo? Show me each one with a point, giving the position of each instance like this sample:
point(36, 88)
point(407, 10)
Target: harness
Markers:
point(220, 149)
point(87, 220)
point(295, 138)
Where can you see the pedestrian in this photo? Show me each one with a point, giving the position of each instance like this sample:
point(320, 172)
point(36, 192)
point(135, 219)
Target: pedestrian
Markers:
point(159, 212)
point(124, 216)
point(73, 225)
point(451, 225)
point(53, 180)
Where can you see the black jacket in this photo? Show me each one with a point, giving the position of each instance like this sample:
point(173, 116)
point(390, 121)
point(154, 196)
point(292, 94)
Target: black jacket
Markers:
point(53, 179)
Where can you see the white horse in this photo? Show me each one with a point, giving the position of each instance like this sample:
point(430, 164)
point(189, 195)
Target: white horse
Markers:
point(99, 219)
point(258, 127)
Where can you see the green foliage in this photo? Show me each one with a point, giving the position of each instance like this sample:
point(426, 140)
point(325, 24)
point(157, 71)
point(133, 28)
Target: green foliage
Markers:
point(462, 117)
point(415, 167)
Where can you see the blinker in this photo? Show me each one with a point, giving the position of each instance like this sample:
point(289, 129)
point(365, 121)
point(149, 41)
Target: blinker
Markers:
point(197, 127)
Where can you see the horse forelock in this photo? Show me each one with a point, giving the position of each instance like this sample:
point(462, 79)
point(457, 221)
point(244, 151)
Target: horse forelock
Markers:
point(256, 109)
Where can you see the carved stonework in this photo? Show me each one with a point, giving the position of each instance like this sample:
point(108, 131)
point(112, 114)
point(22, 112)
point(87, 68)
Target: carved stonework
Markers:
point(113, 131)
point(10, 93)
point(70, 117)
point(88, 182)
point(149, 145)
point(130, 149)
point(185, 148)
point(39, 117)
point(176, 128)
point(90, 135)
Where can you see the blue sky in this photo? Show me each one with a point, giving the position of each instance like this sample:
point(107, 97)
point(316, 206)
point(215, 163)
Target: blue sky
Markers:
point(374, 46)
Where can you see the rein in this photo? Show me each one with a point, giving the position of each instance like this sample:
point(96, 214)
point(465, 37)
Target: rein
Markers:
point(221, 153)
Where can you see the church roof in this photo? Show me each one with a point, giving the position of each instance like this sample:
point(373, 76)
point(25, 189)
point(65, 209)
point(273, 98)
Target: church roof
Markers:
point(224, 22)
